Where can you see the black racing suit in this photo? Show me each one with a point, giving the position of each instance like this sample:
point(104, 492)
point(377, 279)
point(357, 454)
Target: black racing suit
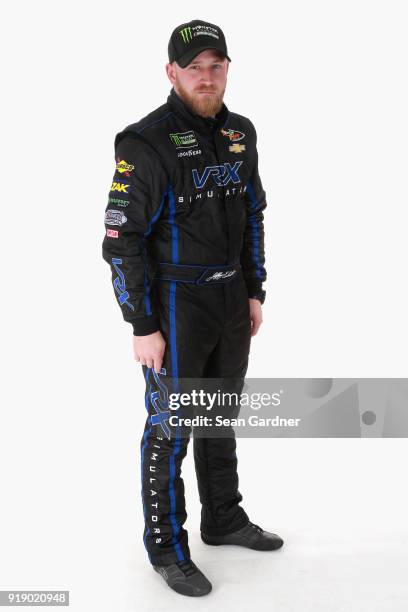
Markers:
point(185, 242)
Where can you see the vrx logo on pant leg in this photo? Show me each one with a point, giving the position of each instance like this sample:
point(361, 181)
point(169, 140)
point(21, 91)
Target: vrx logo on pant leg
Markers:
point(160, 403)
point(221, 175)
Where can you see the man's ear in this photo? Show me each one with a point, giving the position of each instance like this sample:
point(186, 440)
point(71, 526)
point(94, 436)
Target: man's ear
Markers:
point(170, 72)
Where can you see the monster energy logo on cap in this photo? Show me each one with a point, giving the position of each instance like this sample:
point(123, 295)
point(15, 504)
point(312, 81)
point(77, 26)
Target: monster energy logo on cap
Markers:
point(184, 140)
point(190, 39)
point(186, 35)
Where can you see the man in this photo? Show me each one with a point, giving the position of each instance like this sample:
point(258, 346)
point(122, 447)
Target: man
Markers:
point(185, 242)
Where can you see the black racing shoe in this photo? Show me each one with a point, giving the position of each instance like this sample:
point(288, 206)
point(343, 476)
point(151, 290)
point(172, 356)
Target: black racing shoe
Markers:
point(185, 578)
point(250, 536)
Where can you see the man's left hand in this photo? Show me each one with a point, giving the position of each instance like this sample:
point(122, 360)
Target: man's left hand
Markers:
point(255, 313)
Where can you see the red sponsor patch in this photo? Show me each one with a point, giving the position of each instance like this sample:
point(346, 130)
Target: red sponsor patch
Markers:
point(112, 233)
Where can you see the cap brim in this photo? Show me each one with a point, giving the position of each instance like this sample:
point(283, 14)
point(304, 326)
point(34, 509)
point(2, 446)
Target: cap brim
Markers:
point(188, 57)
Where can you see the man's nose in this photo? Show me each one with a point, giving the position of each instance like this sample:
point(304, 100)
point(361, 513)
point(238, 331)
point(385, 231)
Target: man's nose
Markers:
point(206, 76)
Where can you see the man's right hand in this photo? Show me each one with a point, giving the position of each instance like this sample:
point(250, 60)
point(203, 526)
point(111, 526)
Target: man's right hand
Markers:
point(149, 350)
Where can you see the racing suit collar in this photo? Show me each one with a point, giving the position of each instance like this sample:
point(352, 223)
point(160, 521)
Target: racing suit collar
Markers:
point(207, 124)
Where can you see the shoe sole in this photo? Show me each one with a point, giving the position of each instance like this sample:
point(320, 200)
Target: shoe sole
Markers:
point(243, 545)
point(180, 591)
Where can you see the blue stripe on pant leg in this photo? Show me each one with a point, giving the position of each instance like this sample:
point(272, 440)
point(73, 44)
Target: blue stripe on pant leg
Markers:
point(146, 434)
point(176, 449)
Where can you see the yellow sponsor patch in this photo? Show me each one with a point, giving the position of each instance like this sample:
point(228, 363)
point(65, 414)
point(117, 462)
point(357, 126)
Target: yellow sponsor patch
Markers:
point(124, 168)
point(119, 187)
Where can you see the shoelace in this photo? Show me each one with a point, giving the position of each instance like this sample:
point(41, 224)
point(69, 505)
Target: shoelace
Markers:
point(187, 567)
point(259, 529)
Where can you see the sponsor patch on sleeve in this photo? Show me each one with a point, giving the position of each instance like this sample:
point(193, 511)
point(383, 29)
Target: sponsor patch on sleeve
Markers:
point(123, 167)
point(120, 187)
point(118, 202)
point(115, 217)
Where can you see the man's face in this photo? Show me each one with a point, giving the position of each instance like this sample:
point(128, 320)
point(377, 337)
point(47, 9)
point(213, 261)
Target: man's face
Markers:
point(201, 85)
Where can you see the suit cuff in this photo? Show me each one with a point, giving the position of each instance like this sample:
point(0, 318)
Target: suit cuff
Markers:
point(145, 326)
point(254, 286)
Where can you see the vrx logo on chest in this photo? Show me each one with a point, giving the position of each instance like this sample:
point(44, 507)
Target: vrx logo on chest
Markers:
point(221, 175)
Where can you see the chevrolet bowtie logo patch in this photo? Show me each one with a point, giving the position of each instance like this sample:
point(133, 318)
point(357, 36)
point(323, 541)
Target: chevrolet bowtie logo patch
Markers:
point(236, 148)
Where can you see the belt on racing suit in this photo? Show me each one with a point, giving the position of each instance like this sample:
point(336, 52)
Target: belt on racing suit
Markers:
point(199, 275)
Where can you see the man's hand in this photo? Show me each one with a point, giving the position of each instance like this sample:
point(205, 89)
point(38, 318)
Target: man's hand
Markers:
point(255, 313)
point(149, 350)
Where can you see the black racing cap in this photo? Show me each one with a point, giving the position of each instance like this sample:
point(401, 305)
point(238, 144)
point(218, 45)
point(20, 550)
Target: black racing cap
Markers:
point(189, 39)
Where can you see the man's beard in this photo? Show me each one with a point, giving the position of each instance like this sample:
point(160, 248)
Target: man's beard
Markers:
point(206, 106)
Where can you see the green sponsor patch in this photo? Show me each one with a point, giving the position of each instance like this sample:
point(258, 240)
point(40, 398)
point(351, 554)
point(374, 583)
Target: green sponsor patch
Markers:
point(118, 202)
point(184, 139)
